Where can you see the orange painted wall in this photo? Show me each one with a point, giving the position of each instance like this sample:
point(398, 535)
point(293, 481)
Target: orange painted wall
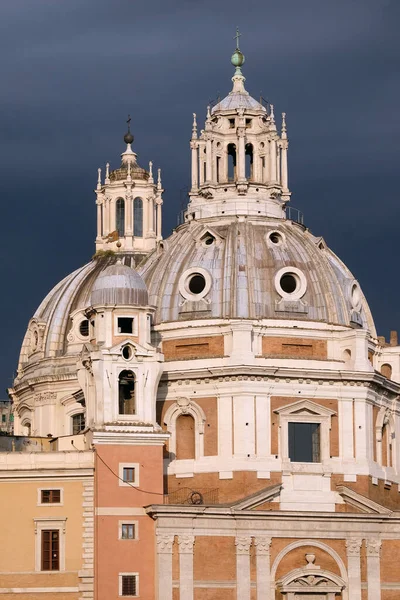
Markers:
point(112, 555)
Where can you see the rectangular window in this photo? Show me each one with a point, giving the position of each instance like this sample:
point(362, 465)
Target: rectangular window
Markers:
point(128, 474)
point(125, 324)
point(127, 531)
point(50, 496)
point(78, 423)
point(129, 585)
point(50, 550)
point(304, 442)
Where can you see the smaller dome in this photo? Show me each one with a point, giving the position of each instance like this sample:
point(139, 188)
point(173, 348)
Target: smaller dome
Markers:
point(237, 58)
point(119, 284)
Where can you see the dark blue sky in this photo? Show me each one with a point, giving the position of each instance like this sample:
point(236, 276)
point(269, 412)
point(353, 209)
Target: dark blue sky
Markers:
point(71, 72)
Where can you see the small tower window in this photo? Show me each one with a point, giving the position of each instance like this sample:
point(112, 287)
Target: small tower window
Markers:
point(249, 161)
point(126, 393)
point(78, 423)
point(120, 216)
point(125, 324)
point(231, 162)
point(84, 328)
point(231, 123)
point(138, 217)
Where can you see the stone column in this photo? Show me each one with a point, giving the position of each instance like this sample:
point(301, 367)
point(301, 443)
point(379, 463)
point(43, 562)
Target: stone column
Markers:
point(106, 216)
point(128, 214)
point(195, 166)
point(186, 544)
point(373, 568)
point(99, 218)
point(164, 560)
point(243, 544)
point(353, 546)
point(272, 163)
point(150, 218)
point(263, 567)
point(284, 167)
point(159, 224)
point(241, 155)
point(208, 159)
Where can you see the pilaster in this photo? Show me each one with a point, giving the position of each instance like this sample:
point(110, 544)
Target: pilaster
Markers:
point(353, 547)
point(186, 545)
point(243, 544)
point(164, 559)
point(263, 567)
point(373, 547)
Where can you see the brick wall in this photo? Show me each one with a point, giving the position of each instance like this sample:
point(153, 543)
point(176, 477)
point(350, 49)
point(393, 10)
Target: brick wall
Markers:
point(291, 347)
point(199, 347)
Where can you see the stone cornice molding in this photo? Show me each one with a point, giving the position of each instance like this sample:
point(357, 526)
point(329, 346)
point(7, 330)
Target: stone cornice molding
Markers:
point(243, 543)
point(186, 544)
point(164, 543)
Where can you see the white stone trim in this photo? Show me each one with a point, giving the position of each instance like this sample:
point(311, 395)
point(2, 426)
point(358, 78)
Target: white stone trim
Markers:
point(86, 575)
point(121, 467)
point(52, 487)
point(41, 524)
point(39, 590)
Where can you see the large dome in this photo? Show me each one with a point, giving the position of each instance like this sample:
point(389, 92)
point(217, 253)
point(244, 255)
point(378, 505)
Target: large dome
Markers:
point(246, 268)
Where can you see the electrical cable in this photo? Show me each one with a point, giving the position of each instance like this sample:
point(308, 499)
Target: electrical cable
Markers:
point(126, 482)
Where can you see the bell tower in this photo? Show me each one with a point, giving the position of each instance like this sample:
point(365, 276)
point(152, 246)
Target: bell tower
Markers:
point(129, 205)
point(239, 160)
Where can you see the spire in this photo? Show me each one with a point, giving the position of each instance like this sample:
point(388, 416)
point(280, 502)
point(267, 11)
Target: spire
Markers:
point(151, 180)
point(284, 132)
point(194, 127)
point(99, 179)
point(159, 179)
point(128, 156)
point(237, 59)
point(107, 179)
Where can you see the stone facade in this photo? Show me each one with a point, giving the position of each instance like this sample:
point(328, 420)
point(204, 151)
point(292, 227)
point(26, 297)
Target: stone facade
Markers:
point(216, 406)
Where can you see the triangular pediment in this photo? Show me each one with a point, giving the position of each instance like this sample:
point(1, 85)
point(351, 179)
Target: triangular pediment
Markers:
point(208, 236)
point(362, 503)
point(305, 407)
point(137, 349)
point(256, 500)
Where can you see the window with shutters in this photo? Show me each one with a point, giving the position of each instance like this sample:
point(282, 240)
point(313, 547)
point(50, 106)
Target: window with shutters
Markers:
point(50, 550)
point(129, 584)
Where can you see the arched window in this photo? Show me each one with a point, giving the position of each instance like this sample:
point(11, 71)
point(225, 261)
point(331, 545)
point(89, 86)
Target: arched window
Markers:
point(138, 217)
point(231, 162)
point(386, 371)
point(126, 393)
point(249, 161)
point(185, 437)
point(120, 216)
point(26, 428)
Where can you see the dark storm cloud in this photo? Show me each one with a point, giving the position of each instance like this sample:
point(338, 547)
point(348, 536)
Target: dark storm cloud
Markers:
point(72, 71)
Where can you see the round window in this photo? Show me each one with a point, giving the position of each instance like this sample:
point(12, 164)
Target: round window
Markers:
point(127, 352)
point(84, 328)
point(275, 237)
point(288, 283)
point(355, 296)
point(196, 283)
point(209, 240)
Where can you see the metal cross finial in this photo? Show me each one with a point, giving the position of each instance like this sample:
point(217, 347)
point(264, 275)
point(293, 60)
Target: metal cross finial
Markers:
point(129, 122)
point(237, 36)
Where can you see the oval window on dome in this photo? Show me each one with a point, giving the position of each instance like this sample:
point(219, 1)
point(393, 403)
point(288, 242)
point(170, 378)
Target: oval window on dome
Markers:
point(84, 328)
point(290, 283)
point(355, 296)
point(195, 283)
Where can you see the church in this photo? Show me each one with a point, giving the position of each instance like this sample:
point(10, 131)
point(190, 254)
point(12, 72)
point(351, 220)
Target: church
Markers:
point(209, 416)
